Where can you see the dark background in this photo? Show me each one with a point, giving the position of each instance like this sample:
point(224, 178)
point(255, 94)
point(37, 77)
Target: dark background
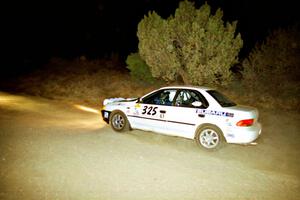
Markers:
point(34, 31)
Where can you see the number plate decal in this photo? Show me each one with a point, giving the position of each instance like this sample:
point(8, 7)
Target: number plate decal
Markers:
point(149, 110)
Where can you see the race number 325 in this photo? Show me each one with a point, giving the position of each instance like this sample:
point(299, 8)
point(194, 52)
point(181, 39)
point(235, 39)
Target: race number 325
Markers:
point(149, 110)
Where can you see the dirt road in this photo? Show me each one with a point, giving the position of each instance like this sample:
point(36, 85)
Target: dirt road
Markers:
point(53, 150)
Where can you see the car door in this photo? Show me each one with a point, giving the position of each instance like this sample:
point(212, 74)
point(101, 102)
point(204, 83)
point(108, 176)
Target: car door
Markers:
point(149, 112)
point(182, 119)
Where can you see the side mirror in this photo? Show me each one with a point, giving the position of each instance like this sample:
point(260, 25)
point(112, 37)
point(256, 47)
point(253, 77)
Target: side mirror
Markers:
point(197, 104)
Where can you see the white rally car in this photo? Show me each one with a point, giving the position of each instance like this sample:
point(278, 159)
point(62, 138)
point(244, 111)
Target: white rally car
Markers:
point(199, 113)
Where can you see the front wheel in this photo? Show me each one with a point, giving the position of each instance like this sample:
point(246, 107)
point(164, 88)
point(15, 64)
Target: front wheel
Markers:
point(209, 137)
point(119, 122)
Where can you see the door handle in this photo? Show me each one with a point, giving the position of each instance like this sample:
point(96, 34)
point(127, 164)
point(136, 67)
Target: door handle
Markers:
point(201, 115)
point(162, 111)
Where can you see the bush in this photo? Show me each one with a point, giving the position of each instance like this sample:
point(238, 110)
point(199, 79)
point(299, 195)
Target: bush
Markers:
point(272, 70)
point(275, 62)
point(139, 70)
point(193, 45)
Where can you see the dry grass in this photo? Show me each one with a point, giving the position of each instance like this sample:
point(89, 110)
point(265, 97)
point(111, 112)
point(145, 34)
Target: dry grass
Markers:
point(267, 95)
point(90, 82)
point(82, 81)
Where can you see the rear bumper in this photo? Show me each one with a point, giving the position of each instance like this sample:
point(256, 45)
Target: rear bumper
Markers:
point(105, 115)
point(243, 135)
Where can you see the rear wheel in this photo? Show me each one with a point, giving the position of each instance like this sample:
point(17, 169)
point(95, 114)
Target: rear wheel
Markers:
point(209, 137)
point(118, 121)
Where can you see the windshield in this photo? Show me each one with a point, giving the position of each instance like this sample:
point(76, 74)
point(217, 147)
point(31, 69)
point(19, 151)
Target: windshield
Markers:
point(221, 99)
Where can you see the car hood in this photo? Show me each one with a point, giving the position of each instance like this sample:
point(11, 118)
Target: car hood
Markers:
point(118, 100)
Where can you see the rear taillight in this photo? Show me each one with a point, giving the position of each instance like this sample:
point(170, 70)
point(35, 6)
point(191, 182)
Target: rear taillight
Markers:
point(245, 122)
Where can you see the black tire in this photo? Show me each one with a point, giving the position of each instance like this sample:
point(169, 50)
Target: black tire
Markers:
point(118, 121)
point(209, 137)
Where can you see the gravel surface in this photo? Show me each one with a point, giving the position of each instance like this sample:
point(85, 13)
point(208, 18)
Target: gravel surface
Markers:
point(53, 150)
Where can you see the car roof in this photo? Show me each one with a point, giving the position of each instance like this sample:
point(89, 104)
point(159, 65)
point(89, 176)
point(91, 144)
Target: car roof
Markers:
point(187, 87)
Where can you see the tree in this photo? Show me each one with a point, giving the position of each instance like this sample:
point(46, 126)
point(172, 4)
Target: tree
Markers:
point(272, 67)
point(277, 56)
point(193, 45)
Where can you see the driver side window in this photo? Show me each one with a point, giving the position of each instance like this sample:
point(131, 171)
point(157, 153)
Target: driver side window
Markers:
point(164, 97)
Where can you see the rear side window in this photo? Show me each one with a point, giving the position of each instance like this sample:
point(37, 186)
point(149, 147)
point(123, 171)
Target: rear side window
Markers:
point(185, 98)
point(221, 99)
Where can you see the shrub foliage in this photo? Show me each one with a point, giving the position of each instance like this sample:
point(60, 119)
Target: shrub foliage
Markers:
point(277, 56)
point(139, 70)
point(272, 68)
point(193, 45)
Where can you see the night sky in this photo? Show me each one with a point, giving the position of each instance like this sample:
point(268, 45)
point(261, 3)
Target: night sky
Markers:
point(35, 31)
